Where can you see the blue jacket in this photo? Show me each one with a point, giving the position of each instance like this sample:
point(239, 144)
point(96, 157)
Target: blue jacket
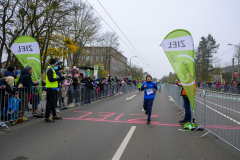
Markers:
point(148, 91)
point(13, 103)
point(8, 73)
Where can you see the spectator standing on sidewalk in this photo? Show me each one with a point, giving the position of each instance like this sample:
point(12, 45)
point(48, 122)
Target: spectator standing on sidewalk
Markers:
point(10, 72)
point(59, 95)
point(238, 86)
point(188, 114)
point(26, 80)
point(52, 87)
point(149, 88)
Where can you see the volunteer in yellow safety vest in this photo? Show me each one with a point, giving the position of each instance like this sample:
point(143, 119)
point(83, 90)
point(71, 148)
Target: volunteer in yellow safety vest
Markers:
point(52, 88)
point(188, 115)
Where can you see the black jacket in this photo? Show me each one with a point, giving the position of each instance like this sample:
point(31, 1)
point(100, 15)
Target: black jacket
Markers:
point(100, 86)
point(10, 90)
point(50, 76)
point(75, 82)
point(25, 79)
point(89, 84)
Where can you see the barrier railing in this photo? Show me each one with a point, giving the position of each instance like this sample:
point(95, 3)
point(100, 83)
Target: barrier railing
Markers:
point(217, 112)
point(27, 102)
point(174, 91)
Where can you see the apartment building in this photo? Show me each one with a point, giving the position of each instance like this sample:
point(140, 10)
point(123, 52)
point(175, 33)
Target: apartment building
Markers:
point(112, 60)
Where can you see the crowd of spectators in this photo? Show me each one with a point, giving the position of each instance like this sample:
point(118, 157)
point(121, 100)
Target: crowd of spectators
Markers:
point(231, 86)
point(20, 93)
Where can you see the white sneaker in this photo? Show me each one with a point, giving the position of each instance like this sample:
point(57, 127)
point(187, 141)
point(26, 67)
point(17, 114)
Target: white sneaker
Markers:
point(57, 111)
point(70, 105)
point(143, 110)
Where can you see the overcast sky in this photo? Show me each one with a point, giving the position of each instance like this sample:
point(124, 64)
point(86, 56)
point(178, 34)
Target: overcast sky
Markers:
point(147, 22)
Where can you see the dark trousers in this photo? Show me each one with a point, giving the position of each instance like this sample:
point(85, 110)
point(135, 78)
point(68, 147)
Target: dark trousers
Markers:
point(188, 114)
point(35, 102)
point(51, 102)
point(148, 103)
point(24, 100)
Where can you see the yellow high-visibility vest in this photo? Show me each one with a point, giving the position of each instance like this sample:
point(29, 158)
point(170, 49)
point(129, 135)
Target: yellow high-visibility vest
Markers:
point(51, 84)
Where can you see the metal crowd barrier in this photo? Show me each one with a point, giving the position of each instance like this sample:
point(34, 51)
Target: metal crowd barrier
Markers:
point(217, 112)
point(31, 102)
point(175, 92)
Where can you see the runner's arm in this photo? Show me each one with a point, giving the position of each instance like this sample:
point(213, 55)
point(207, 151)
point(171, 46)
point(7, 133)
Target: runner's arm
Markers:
point(142, 87)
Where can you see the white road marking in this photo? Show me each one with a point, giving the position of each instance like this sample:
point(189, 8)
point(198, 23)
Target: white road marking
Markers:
point(224, 115)
point(130, 97)
point(122, 147)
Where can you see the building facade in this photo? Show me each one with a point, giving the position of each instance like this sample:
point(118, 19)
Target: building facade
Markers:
point(112, 60)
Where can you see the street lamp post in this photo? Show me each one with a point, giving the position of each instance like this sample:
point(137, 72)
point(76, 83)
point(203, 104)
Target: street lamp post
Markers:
point(237, 57)
point(131, 66)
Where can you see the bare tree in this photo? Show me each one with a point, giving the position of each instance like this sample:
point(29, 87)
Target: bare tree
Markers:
point(110, 42)
point(84, 27)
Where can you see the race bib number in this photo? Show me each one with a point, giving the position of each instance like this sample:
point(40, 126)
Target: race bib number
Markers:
point(149, 91)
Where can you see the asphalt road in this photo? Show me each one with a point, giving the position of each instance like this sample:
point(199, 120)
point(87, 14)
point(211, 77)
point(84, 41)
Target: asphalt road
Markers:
point(99, 130)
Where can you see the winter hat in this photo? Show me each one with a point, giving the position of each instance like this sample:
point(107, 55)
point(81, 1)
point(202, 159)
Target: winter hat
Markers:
point(10, 68)
point(28, 68)
point(53, 61)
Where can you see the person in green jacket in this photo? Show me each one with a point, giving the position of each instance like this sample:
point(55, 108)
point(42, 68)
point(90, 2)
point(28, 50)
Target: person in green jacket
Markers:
point(139, 86)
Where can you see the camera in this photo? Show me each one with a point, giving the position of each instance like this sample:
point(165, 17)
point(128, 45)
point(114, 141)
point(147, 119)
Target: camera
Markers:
point(59, 63)
point(66, 71)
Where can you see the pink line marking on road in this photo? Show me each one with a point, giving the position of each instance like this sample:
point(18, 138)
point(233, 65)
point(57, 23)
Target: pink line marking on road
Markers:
point(134, 122)
point(111, 114)
point(141, 118)
point(88, 113)
point(82, 111)
point(119, 116)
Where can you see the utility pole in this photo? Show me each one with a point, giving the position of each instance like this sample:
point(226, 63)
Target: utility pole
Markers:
point(130, 69)
point(238, 62)
point(237, 56)
point(131, 66)
point(233, 69)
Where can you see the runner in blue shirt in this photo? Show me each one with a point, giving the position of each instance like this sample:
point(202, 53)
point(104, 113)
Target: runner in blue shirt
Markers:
point(149, 88)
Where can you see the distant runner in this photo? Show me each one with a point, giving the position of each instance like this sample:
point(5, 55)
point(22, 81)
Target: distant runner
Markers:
point(159, 86)
point(139, 86)
point(149, 88)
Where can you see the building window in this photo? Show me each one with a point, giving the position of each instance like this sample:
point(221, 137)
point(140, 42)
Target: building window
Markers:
point(101, 58)
point(83, 58)
point(71, 55)
point(97, 50)
point(102, 50)
point(87, 50)
point(97, 58)
point(87, 58)
point(91, 58)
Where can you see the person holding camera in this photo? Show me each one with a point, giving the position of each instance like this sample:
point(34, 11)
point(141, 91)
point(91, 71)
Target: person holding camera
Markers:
point(52, 88)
